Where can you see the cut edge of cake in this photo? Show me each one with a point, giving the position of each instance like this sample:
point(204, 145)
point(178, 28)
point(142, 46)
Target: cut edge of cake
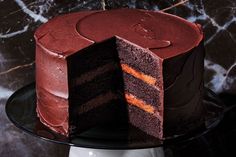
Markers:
point(130, 73)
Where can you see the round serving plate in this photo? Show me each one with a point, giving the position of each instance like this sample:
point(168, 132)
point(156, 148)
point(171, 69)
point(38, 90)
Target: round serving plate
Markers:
point(21, 110)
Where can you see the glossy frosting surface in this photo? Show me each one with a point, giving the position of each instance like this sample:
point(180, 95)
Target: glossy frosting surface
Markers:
point(164, 34)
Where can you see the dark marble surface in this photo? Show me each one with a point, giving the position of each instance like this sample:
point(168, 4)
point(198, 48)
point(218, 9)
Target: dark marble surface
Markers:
point(20, 18)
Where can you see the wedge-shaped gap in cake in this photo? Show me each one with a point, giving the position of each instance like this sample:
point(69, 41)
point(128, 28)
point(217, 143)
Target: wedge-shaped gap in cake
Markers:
point(116, 81)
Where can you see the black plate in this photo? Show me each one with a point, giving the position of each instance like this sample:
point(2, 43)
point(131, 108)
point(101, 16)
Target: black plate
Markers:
point(20, 109)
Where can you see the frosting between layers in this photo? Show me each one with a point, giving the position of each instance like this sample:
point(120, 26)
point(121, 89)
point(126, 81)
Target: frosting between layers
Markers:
point(97, 101)
point(133, 100)
point(146, 78)
point(89, 76)
point(109, 96)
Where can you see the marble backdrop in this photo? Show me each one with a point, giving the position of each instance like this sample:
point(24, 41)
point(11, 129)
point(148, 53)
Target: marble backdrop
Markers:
point(20, 18)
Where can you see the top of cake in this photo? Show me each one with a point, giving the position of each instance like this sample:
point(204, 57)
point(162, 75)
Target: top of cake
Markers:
point(164, 34)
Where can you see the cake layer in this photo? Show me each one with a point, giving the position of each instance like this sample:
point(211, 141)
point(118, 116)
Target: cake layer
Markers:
point(91, 75)
point(113, 112)
point(144, 121)
point(137, 87)
point(141, 60)
point(92, 57)
point(110, 81)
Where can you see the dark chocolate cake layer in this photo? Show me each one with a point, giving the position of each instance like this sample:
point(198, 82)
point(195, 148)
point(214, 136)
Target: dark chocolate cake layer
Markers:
point(137, 87)
point(100, 84)
point(140, 59)
point(144, 121)
point(110, 112)
point(93, 57)
point(133, 55)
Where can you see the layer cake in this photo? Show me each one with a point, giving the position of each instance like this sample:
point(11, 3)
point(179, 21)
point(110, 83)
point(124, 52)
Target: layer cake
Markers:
point(132, 66)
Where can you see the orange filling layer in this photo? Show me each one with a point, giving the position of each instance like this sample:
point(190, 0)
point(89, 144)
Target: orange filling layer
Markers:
point(146, 78)
point(131, 99)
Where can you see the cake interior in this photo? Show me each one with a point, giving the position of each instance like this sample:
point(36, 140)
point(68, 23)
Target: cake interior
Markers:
point(113, 81)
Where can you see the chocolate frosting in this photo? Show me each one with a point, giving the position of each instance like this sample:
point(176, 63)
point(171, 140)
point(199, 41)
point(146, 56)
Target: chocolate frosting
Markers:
point(166, 36)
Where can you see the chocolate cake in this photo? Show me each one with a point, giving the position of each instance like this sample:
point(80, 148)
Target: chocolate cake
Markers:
point(138, 67)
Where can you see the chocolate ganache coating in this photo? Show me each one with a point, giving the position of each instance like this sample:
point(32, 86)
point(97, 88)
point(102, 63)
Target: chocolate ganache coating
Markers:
point(172, 42)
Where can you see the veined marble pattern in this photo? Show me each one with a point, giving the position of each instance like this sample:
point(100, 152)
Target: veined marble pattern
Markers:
point(20, 18)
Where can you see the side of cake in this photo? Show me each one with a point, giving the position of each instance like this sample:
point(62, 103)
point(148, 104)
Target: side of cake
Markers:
point(144, 68)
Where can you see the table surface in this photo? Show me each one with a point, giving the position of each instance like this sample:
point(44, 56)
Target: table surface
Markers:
point(20, 18)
